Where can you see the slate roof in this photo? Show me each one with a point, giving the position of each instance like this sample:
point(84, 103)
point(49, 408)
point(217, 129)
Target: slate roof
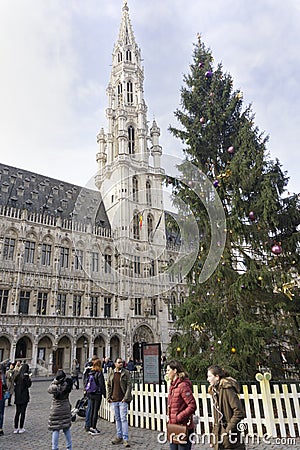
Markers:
point(37, 193)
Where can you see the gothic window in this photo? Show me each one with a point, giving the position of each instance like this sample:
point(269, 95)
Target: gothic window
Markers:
point(153, 307)
point(120, 57)
point(107, 306)
point(150, 227)
point(77, 299)
point(64, 257)
point(46, 254)
point(29, 252)
point(78, 262)
point(107, 263)
point(171, 271)
point(136, 226)
point(131, 140)
point(95, 261)
point(137, 306)
point(120, 94)
point(128, 55)
point(9, 248)
point(24, 302)
point(137, 265)
point(172, 305)
point(129, 92)
point(94, 306)
point(152, 271)
point(148, 193)
point(3, 300)
point(41, 308)
point(61, 304)
point(135, 189)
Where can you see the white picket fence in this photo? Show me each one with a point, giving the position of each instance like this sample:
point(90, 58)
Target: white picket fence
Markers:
point(271, 409)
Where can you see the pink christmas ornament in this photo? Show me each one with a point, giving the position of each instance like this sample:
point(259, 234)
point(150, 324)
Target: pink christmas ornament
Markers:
point(276, 249)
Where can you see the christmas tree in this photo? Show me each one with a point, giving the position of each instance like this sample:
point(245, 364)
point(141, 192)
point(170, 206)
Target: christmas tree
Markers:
point(246, 311)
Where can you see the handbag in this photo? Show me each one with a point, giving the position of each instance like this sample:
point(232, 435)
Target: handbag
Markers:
point(177, 433)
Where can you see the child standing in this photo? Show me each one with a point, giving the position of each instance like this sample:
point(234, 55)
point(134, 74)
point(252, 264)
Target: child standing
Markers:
point(60, 411)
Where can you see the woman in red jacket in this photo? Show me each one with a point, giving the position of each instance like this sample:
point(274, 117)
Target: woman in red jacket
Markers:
point(181, 402)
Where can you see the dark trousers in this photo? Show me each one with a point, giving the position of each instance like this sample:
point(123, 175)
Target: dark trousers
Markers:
point(186, 446)
point(20, 414)
point(95, 400)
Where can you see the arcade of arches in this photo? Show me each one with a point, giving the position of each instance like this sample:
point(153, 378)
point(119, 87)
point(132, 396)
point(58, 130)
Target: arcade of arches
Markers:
point(47, 353)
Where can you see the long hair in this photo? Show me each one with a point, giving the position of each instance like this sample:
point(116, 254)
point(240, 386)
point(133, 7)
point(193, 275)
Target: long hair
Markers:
point(97, 365)
point(174, 364)
point(218, 371)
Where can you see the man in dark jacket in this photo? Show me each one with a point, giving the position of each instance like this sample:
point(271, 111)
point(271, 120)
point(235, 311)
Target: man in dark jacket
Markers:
point(119, 395)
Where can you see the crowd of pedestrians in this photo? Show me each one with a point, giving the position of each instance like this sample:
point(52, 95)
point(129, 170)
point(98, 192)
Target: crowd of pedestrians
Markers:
point(111, 380)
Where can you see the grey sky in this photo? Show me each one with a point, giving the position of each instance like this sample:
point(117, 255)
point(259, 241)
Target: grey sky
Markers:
point(55, 66)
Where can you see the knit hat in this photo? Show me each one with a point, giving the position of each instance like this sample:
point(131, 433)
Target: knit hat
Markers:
point(60, 375)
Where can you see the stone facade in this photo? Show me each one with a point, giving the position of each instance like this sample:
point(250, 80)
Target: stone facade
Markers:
point(84, 269)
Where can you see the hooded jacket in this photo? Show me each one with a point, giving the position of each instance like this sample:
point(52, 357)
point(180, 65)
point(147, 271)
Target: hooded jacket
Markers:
point(60, 411)
point(181, 402)
point(228, 412)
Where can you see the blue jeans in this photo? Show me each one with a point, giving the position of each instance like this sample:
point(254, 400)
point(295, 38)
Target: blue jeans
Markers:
point(120, 410)
point(2, 405)
point(55, 436)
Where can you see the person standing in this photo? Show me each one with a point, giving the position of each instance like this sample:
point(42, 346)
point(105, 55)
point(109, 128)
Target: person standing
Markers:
point(60, 411)
point(2, 396)
point(119, 395)
point(10, 373)
point(181, 401)
point(86, 372)
point(227, 409)
point(75, 373)
point(22, 383)
point(95, 396)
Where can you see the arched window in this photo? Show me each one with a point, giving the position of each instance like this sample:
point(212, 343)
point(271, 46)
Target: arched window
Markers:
point(120, 57)
point(135, 189)
point(136, 226)
point(150, 227)
point(148, 192)
point(107, 260)
point(120, 94)
point(172, 306)
point(128, 55)
point(129, 92)
point(130, 140)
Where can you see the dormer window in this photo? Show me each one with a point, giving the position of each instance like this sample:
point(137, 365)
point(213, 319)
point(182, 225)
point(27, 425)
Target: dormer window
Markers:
point(130, 140)
point(129, 92)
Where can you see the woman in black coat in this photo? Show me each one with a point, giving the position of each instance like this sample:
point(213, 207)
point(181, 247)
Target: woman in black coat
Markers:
point(60, 411)
point(22, 383)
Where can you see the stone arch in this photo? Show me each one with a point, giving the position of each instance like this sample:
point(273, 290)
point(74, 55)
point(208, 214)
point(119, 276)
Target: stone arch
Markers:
point(82, 350)
point(5, 346)
point(24, 349)
point(44, 353)
point(142, 335)
point(99, 346)
point(115, 347)
point(62, 354)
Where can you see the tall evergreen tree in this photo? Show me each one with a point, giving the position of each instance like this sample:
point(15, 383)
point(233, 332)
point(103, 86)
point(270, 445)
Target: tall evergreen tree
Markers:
point(246, 312)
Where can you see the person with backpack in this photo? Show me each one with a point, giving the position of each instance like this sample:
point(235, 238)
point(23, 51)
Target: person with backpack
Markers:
point(87, 369)
point(60, 411)
point(95, 389)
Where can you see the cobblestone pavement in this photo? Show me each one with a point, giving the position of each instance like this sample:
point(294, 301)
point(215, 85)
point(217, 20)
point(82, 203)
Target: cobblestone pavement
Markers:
point(38, 437)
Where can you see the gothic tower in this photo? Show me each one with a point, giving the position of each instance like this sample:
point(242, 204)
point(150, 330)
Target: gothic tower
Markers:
point(129, 173)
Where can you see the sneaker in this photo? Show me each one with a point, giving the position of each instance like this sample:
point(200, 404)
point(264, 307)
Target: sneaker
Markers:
point(117, 440)
point(126, 444)
point(94, 431)
point(22, 430)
